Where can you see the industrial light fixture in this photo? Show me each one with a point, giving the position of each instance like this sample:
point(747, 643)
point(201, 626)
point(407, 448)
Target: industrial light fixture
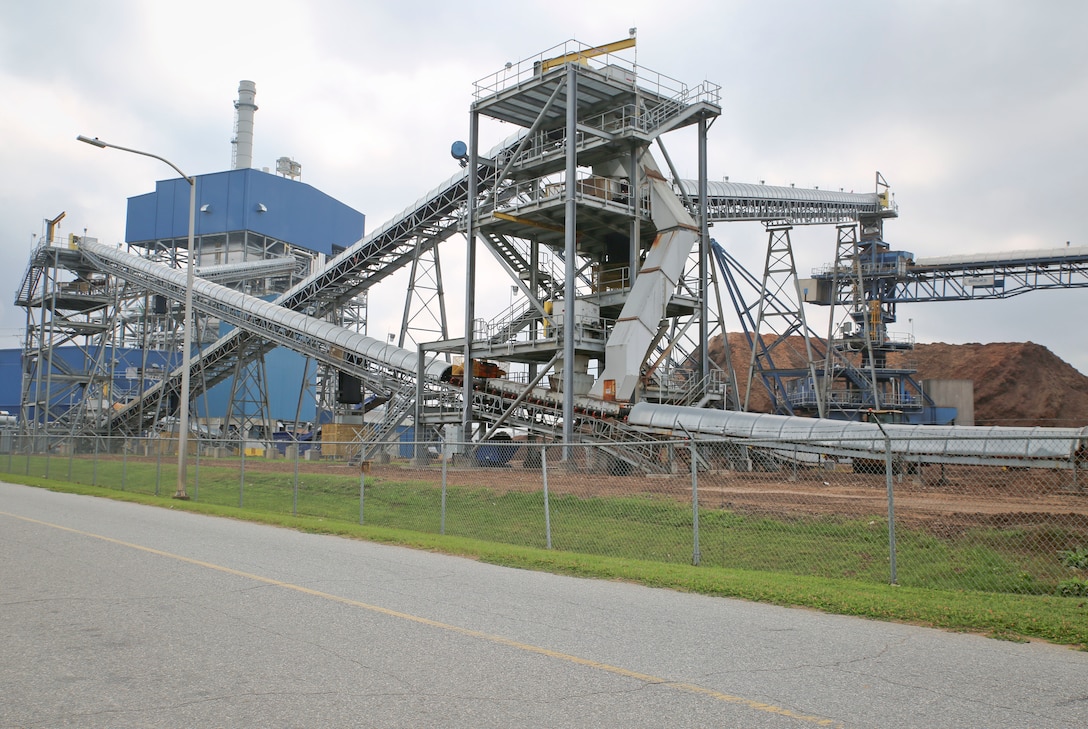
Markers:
point(206, 208)
point(261, 208)
point(459, 151)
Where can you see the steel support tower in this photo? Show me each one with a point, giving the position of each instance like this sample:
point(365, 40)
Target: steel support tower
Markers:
point(594, 239)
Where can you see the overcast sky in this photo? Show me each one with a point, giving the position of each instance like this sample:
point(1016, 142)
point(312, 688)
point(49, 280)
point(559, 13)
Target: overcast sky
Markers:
point(975, 112)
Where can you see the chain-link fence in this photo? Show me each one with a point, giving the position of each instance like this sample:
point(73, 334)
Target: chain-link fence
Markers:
point(991, 517)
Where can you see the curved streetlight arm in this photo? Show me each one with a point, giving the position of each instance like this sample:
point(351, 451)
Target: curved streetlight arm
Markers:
point(96, 142)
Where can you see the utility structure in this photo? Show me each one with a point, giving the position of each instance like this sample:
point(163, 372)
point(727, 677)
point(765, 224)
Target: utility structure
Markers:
point(847, 373)
point(98, 342)
point(606, 246)
point(868, 364)
point(609, 254)
point(860, 363)
point(590, 230)
point(808, 379)
point(859, 366)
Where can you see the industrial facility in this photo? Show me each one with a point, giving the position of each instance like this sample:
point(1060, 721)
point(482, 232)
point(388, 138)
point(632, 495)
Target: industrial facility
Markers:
point(617, 287)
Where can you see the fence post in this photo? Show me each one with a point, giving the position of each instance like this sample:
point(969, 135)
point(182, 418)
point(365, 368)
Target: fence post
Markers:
point(124, 461)
point(891, 497)
point(298, 450)
point(362, 490)
point(242, 475)
point(694, 503)
point(94, 473)
point(158, 464)
point(547, 502)
point(442, 514)
point(196, 469)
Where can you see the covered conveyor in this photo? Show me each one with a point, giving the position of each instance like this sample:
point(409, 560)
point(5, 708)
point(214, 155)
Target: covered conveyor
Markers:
point(1008, 446)
point(344, 349)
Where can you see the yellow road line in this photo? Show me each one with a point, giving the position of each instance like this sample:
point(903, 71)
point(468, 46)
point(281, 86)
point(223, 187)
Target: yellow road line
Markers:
point(498, 639)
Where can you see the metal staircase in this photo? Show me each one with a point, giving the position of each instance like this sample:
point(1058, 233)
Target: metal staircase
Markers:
point(29, 286)
point(398, 407)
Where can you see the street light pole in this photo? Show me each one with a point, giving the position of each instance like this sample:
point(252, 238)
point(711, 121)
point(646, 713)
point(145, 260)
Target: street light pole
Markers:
point(187, 333)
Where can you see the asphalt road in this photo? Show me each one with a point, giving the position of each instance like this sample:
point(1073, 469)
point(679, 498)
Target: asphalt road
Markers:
point(119, 615)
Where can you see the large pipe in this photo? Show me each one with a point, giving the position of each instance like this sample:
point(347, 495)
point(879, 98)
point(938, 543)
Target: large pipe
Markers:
point(243, 133)
point(1010, 446)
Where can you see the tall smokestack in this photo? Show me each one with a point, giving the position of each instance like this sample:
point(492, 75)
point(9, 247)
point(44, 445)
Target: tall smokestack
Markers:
point(243, 125)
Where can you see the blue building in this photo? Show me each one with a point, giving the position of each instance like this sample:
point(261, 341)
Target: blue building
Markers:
point(239, 207)
point(243, 216)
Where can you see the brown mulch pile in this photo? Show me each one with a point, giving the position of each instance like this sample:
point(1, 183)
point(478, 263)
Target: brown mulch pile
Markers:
point(1016, 383)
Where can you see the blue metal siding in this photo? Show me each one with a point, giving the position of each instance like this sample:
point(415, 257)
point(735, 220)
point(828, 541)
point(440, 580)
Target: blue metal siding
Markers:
point(75, 359)
point(295, 212)
point(140, 218)
point(11, 380)
point(283, 373)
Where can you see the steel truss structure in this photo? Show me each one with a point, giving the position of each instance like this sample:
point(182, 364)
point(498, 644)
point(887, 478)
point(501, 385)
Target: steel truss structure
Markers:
point(608, 257)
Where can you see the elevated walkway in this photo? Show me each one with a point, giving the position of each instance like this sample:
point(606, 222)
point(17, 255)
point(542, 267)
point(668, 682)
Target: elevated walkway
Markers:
point(738, 201)
point(992, 275)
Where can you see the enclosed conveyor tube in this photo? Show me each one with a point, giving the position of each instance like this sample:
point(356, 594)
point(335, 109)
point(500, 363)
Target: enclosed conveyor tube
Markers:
point(1002, 446)
point(334, 345)
point(244, 270)
point(736, 201)
point(636, 329)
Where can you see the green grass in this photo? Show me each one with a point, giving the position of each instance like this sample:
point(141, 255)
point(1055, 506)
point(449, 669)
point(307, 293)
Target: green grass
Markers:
point(980, 582)
point(1016, 560)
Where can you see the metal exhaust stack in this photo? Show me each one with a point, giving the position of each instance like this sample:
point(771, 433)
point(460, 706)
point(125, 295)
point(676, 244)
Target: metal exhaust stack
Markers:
point(243, 125)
